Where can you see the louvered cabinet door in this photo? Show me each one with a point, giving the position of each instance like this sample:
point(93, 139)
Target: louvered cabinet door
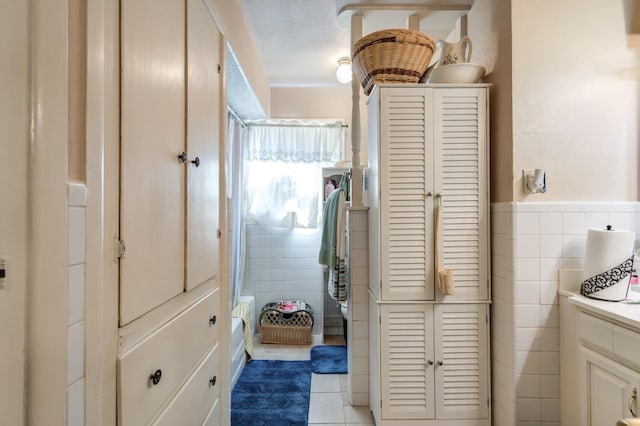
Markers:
point(407, 373)
point(406, 180)
point(461, 368)
point(460, 138)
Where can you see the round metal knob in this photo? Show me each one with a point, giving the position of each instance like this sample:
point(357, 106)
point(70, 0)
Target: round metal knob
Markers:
point(182, 157)
point(430, 362)
point(212, 320)
point(440, 363)
point(196, 161)
point(212, 382)
point(155, 377)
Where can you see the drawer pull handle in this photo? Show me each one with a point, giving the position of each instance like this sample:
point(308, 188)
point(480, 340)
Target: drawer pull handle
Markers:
point(155, 377)
point(212, 320)
point(212, 382)
point(632, 400)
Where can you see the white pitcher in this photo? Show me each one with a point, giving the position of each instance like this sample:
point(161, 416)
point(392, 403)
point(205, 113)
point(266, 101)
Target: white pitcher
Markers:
point(453, 53)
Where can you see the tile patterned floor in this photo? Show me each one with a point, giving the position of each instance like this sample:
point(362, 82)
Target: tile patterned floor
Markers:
point(329, 405)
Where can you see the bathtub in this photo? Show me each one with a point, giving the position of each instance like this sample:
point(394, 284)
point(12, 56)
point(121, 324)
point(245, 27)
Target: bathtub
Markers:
point(238, 354)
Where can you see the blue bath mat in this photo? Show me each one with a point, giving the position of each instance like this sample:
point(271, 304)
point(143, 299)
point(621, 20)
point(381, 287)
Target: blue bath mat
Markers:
point(329, 359)
point(272, 393)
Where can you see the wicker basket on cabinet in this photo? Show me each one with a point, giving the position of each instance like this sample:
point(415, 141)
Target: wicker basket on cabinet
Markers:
point(391, 56)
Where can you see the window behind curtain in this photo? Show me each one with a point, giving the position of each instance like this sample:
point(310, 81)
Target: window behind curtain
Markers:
point(283, 172)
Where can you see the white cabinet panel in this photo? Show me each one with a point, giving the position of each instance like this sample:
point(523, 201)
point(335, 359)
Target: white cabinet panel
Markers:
point(203, 124)
point(174, 350)
point(407, 356)
point(611, 389)
point(192, 404)
point(406, 212)
point(461, 361)
point(460, 176)
point(213, 419)
point(152, 179)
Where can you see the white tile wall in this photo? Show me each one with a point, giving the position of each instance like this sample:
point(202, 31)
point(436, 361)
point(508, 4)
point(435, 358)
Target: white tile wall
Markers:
point(77, 198)
point(282, 264)
point(358, 324)
point(530, 242)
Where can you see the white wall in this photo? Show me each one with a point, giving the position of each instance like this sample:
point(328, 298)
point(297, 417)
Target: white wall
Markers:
point(574, 114)
point(565, 96)
point(282, 264)
point(13, 207)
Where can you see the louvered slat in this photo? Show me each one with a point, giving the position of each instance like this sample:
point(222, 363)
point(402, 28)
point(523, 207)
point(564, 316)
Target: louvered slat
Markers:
point(460, 179)
point(405, 222)
point(461, 345)
point(409, 386)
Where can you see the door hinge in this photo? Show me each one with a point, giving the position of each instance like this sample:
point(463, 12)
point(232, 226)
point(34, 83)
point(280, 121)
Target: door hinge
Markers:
point(120, 249)
point(219, 233)
point(219, 68)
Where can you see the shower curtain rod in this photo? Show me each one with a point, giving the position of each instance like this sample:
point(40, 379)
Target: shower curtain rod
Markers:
point(285, 124)
point(237, 117)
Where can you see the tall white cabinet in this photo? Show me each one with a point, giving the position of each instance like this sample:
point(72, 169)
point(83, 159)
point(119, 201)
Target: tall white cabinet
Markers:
point(170, 318)
point(429, 352)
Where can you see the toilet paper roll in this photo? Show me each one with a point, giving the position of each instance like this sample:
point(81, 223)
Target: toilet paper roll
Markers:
point(606, 249)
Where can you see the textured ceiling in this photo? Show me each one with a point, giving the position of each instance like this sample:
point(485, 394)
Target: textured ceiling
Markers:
point(300, 41)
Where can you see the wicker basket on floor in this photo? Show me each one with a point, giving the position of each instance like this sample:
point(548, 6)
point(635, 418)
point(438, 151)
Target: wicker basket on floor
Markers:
point(292, 328)
point(391, 56)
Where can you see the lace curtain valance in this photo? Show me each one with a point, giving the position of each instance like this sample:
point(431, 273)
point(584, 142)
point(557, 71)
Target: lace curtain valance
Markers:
point(300, 143)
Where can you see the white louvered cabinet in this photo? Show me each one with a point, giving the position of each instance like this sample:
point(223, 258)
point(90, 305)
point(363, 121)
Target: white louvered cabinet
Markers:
point(427, 141)
point(431, 351)
point(434, 362)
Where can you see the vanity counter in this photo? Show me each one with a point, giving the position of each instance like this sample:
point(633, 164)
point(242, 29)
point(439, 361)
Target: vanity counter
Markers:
point(621, 312)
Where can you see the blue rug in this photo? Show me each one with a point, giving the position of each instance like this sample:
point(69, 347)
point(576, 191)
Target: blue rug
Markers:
point(329, 359)
point(272, 393)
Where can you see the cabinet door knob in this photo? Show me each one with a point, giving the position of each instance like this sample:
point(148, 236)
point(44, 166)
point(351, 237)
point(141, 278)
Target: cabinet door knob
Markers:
point(428, 194)
point(212, 320)
point(632, 400)
point(155, 377)
point(182, 157)
point(212, 382)
point(429, 362)
point(196, 161)
point(440, 363)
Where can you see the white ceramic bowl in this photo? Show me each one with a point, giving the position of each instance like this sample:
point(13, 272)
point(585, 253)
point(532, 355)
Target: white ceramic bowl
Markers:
point(461, 73)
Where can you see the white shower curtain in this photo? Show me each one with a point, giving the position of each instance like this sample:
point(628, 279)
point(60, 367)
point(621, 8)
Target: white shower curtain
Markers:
point(236, 141)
